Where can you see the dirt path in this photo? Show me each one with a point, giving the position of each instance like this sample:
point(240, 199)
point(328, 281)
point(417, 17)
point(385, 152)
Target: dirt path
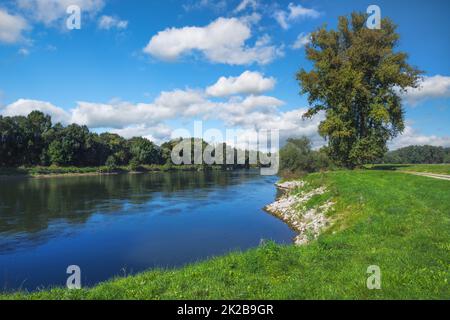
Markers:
point(430, 175)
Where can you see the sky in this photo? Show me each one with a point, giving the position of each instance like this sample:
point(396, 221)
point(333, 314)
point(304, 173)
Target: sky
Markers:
point(151, 68)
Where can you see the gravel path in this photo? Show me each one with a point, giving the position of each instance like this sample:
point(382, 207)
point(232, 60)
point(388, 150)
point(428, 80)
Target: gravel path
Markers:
point(430, 175)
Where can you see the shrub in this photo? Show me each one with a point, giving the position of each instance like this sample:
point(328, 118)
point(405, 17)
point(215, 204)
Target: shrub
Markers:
point(111, 163)
point(297, 157)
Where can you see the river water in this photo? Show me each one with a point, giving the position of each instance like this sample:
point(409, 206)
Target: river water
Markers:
point(119, 225)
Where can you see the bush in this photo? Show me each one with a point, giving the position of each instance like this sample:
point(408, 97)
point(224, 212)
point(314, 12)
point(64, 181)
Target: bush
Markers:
point(134, 165)
point(297, 157)
point(111, 163)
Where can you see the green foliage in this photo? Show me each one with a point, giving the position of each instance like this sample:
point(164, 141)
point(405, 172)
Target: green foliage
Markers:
point(298, 157)
point(447, 156)
point(111, 162)
point(34, 141)
point(22, 139)
point(134, 165)
point(418, 154)
point(356, 80)
point(144, 151)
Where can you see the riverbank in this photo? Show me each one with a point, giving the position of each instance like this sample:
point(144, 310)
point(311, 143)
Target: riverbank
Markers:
point(399, 222)
point(55, 171)
point(303, 208)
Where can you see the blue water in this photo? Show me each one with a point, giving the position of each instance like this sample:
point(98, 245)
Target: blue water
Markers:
point(120, 225)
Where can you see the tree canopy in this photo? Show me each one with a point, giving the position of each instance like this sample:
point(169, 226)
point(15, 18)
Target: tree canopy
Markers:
point(33, 140)
point(418, 154)
point(356, 80)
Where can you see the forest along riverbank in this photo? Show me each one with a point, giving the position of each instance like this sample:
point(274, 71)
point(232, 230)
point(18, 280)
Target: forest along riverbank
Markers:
point(55, 171)
point(299, 208)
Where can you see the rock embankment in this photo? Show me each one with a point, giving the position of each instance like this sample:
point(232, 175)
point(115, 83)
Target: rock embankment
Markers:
point(289, 185)
point(308, 222)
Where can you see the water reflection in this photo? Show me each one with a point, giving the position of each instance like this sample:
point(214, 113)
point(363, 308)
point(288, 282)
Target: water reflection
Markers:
point(29, 205)
point(138, 221)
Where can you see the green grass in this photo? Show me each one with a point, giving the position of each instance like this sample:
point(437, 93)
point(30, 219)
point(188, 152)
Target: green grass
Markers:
point(430, 168)
point(397, 221)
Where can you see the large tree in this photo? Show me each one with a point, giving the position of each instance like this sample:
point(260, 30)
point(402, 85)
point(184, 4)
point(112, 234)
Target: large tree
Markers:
point(356, 80)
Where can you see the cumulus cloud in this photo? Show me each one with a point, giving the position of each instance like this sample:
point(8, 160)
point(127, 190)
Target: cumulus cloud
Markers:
point(50, 11)
point(431, 87)
point(412, 137)
point(109, 22)
point(23, 107)
point(223, 41)
point(301, 41)
point(158, 133)
point(113, 115)
point(244, 4)
point(120, 114)
point(242, 106)
point(294, 13)
point(247, 83)
point(11, 27)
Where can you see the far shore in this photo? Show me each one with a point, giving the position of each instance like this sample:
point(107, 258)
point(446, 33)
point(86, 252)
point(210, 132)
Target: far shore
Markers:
point(54, 171)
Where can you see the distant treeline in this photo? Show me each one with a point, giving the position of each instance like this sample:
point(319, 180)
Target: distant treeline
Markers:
point(35, 141)
point(297, 157)
point(418, 154)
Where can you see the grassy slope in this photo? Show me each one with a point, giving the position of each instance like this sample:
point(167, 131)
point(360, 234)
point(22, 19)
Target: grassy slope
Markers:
point(397, 221)
point(431, 168)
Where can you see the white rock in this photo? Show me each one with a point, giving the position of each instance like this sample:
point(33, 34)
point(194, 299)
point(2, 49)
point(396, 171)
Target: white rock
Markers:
point(308, 223)
point(289, 185)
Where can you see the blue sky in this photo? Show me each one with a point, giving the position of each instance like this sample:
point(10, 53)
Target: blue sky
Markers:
point(144, 67)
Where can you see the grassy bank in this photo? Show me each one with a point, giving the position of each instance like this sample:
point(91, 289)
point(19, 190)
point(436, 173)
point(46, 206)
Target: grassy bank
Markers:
point(57, 171)
point(397, 221)
point(430, 168)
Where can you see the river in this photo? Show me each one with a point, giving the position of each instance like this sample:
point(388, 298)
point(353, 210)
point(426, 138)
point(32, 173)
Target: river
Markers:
point(119, 225)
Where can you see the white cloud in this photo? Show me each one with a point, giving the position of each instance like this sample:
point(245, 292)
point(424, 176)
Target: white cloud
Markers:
point(50, 11)
point(244, 4)
point(302, 40)
point(23, 52)
point(294, 13)
point(247, 83)
point(412, 137)
point(223, 41)
point(241, 112)
point(23, 107)
point(215, 5)
point(120, 114)
point(157, 133)
point(129, 120)
point(183, 103)
point(248, 112)
point(431, 87)
point(109, 22)
point(11, 27)
point(113, 115)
